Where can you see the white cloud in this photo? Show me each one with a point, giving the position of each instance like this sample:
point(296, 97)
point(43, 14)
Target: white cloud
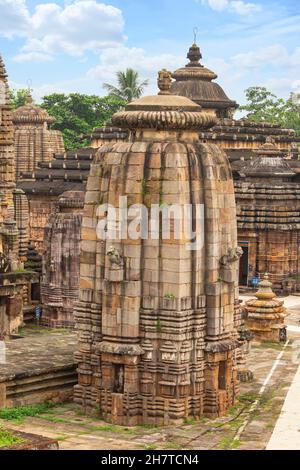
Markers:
point(72, 28)
point(32, 57)
point(236, 6)
point(14, 18)
point(276, 55)
point(114, 59)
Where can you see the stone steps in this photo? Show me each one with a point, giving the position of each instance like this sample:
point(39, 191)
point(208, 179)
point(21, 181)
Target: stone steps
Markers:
point(32, 387)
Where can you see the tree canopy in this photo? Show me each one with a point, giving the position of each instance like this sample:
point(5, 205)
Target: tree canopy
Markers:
point(262, 105)
point(77, 114)
point(129, 86)
point(18, 97)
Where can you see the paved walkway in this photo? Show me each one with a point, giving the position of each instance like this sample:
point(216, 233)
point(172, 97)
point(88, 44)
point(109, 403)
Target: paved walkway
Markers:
point(286, 434)
point(37, 349)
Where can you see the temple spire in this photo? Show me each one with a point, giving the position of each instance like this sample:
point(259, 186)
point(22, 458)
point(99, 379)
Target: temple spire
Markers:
point(3, 73)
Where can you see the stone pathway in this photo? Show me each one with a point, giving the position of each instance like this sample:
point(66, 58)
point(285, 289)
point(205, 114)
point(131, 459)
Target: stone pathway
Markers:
point(286, 434)
point(37, 349)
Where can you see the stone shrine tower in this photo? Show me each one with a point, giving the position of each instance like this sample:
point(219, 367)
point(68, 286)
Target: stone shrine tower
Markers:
point(34, 141)
point(266, 314)
point(7, 155)
point(157, 321)
point(196, 83)
point(60, 276)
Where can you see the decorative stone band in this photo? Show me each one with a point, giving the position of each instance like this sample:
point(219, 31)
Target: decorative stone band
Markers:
point(222, 346)
point(33, 116)
point(121, 349)
point(172, 120)
point(193, 73)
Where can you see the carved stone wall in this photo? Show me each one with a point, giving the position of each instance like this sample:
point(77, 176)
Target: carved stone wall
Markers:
point(60, 276)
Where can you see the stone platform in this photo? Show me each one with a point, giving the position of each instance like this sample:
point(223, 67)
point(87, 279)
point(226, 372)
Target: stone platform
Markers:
point(38, 367)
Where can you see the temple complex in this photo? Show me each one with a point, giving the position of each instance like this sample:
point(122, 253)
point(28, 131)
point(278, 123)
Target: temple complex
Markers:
point(34, 141)
point(269, 241)
point(157, 321)
point(266, 314)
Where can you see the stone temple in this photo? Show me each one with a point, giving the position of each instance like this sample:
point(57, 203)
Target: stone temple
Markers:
point(34, 141)
point(158, 322)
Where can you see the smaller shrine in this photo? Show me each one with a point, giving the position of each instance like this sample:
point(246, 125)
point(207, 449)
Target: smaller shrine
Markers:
point(34, 140)
point(266, 314)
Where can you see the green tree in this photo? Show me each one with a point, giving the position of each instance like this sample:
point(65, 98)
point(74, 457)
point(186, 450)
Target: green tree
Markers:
point(262, 105)
point(128, 87)
point(18, 97)
point(77, 114)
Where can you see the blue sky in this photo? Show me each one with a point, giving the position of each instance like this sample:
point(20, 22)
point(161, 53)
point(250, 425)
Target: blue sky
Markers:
point(76, 45)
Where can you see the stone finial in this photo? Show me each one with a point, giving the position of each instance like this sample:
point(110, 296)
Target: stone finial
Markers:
point(29, 99)
point(194, 55)
point(164, 82)
point(265, 289)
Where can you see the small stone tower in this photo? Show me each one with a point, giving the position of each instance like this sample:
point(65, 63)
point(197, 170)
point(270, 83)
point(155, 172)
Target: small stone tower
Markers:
point(266, 314)
point(34, 141)
point(157, 317)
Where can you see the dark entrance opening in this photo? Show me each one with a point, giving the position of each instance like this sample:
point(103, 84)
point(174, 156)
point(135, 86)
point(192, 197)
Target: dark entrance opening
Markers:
point(244, 261)
point(118, 378)
point(222, 375)
point(35, 291)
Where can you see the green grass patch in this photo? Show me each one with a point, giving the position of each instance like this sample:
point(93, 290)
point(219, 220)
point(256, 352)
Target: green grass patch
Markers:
point(19, 413)
point(7, 438)
point(228, 443)
point(107, 428)
point(147, 426)
point(190, 421)
point(60, 438)
point(54, 419)
point(150, 447)
point(172, 445)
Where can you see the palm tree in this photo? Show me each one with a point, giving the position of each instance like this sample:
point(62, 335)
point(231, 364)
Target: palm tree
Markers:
point(129, 86)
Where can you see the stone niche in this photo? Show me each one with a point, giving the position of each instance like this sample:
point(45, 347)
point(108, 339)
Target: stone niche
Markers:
point(157, 323)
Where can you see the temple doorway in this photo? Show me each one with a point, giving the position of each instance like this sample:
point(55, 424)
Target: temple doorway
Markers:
point(244, 264)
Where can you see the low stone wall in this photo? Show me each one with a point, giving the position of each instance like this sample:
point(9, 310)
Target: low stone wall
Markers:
point(28, 388)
